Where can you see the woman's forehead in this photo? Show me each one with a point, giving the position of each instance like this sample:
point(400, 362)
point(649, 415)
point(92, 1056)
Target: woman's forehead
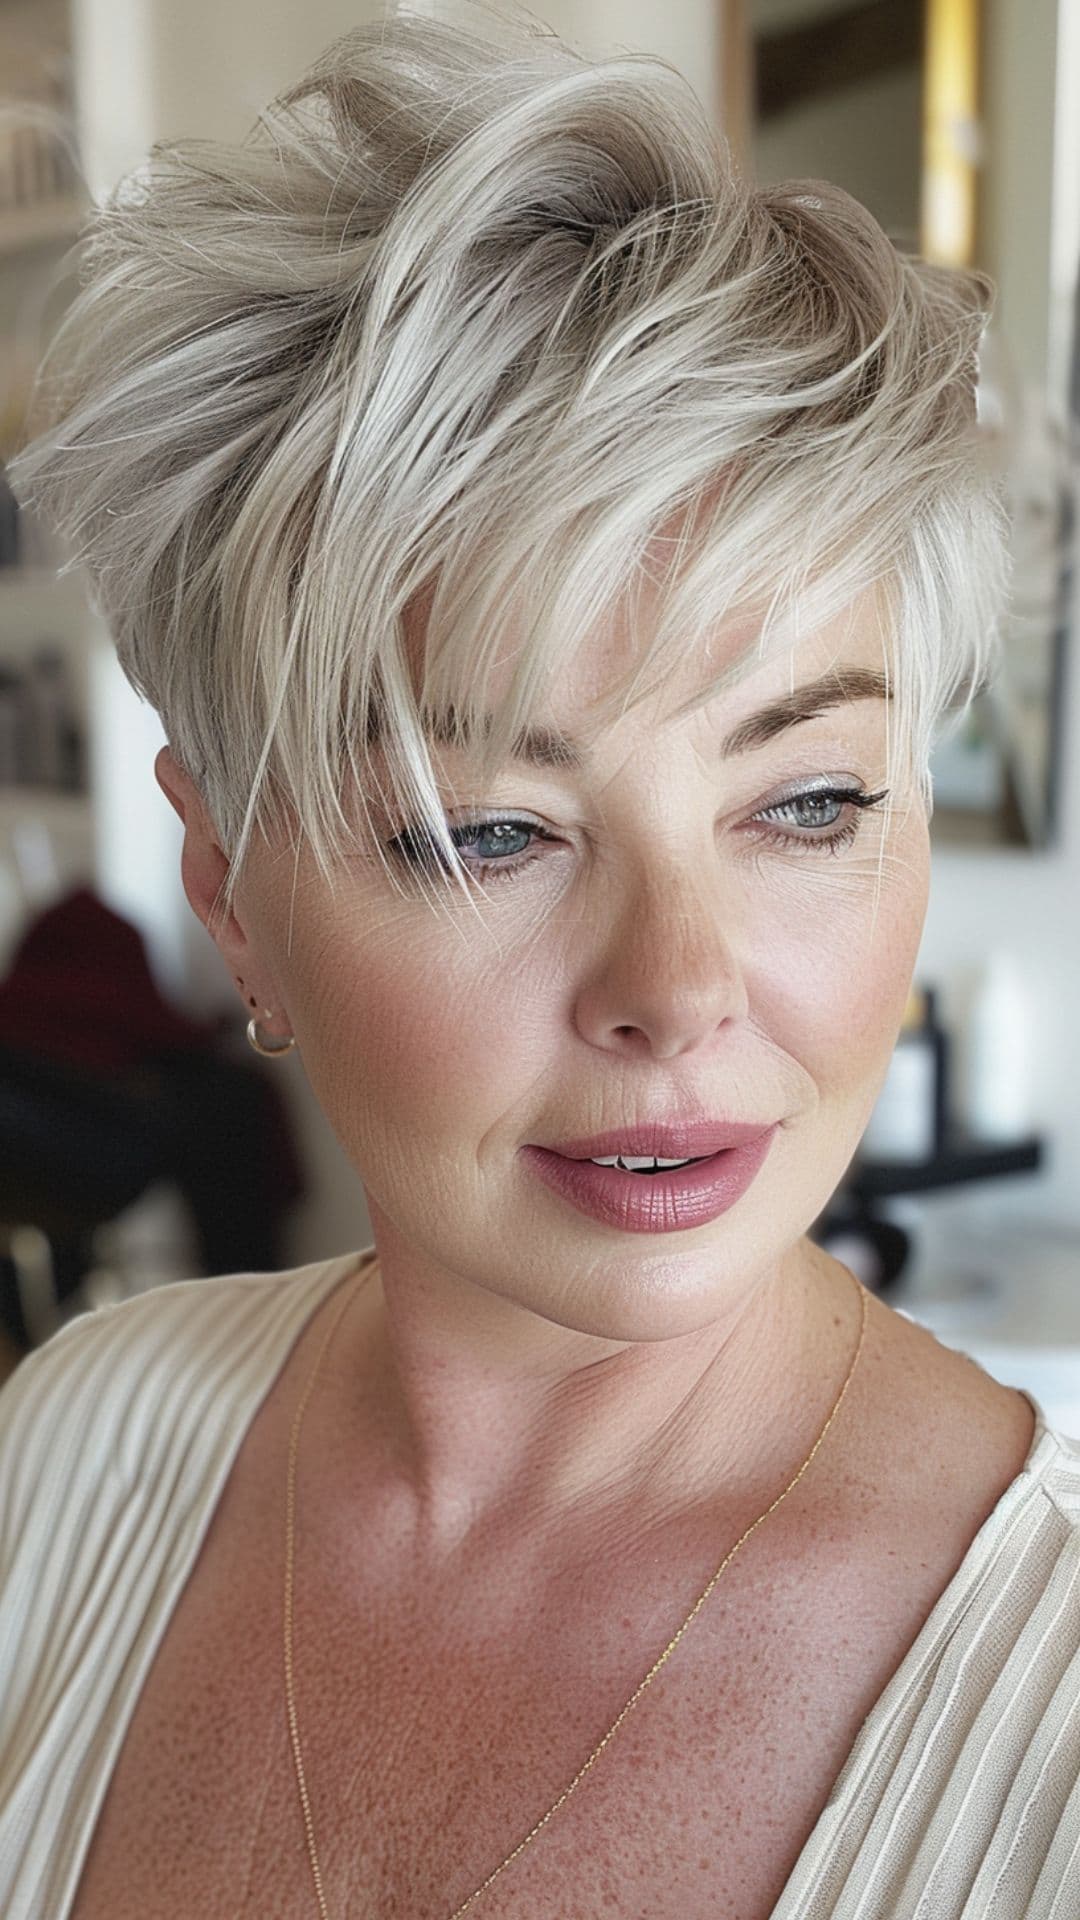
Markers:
point(843, 658)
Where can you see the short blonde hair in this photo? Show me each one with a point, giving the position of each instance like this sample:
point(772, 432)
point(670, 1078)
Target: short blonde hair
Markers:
point(468, 316)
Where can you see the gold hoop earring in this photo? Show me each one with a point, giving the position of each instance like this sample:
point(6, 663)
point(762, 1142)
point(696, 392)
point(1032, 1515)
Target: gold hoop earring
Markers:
point(256, 1040)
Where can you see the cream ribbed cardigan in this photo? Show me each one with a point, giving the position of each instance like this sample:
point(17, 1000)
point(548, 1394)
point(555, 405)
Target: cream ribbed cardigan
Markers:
point(961, 1794)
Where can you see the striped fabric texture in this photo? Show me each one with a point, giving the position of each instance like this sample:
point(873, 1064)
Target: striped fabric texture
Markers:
point(960, 1799)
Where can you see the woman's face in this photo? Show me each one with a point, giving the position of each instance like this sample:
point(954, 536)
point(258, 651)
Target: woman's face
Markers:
point(671, 940)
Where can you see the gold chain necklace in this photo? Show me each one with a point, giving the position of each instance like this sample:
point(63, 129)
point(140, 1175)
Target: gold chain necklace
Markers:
point(290, 1545)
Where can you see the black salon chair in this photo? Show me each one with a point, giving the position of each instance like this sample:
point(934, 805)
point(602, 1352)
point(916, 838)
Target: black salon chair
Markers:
point(74, 1152)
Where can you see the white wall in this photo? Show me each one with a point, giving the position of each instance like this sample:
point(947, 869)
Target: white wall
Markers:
point(155, 70)
point(685, 32)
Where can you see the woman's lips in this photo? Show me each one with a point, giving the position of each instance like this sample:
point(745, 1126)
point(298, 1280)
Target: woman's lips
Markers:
point(667, 1140)
point(667, 1202)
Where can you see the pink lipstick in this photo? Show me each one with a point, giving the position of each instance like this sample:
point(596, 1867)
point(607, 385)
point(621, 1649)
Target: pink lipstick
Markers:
point(669, 1201)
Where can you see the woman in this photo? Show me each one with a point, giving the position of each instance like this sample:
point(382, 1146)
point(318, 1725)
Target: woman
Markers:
point(551, 558)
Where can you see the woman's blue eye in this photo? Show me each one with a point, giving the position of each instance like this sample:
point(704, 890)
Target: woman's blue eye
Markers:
point(417, 850)
point(830, 798)
point(491, 853)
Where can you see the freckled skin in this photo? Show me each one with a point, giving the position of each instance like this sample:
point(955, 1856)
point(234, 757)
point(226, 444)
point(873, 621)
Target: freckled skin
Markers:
point(535, 1438)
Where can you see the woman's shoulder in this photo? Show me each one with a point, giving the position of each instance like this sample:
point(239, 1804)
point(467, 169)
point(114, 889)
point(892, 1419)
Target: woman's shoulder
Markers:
point(968, 1482)
point(116, 1390)
point(1053, 1466)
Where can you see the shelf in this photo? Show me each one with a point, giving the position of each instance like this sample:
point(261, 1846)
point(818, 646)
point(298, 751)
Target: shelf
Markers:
point(963, 1160)
point(56, 807)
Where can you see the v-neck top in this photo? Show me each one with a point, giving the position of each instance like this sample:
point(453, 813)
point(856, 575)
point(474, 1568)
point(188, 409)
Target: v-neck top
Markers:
point(959, 1800)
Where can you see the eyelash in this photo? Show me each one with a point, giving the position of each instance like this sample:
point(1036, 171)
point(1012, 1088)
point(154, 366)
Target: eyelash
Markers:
point(410, 847)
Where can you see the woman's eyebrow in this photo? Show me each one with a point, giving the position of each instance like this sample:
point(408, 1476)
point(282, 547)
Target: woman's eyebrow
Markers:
point(833, 689)
point(550, 747)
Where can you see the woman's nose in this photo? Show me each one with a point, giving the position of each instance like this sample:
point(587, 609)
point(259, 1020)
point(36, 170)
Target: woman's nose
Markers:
point(667, 972)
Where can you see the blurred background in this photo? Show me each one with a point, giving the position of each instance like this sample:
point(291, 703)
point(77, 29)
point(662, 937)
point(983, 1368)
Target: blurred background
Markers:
point(140, 1139)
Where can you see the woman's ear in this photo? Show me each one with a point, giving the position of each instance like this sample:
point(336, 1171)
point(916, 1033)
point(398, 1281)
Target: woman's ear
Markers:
point(204, 866)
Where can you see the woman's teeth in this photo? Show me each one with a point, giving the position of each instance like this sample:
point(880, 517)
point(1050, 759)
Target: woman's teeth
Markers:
point(642, 1163)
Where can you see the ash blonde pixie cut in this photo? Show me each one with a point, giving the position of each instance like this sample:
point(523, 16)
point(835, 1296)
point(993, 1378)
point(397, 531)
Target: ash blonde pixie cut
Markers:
point(465, 319)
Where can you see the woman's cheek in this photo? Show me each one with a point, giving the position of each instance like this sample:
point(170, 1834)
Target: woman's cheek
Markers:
point(831, 970)
point(422, 1042)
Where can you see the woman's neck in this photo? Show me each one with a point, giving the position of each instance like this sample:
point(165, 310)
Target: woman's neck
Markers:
point(475, 1425)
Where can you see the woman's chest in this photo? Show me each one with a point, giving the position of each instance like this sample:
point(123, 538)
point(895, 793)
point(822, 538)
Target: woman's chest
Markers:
point(440, 1715)
point(431, 1746)
point(698, 1806)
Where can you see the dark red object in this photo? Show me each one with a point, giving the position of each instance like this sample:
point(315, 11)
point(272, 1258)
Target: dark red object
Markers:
point(80, 990)
point(105, 1087)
